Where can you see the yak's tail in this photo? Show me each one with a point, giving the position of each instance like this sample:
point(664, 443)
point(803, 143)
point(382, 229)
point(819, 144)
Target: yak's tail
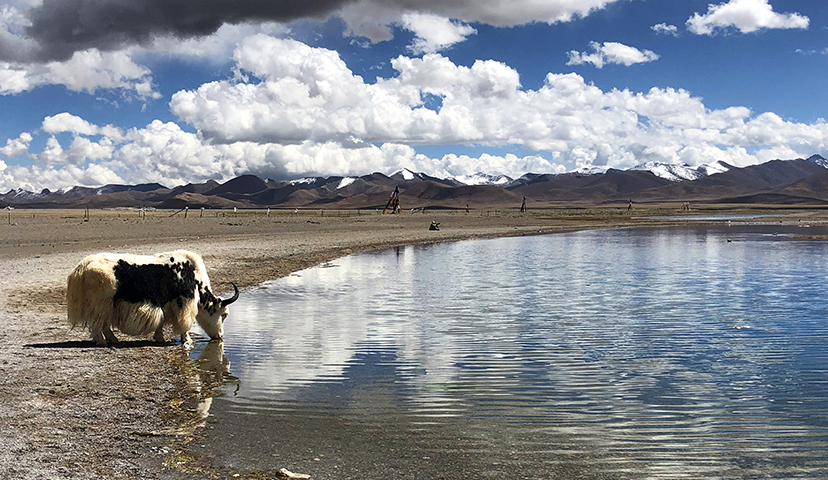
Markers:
point(78, 293)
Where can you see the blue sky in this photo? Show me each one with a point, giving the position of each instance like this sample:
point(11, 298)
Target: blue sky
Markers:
point(185, 91)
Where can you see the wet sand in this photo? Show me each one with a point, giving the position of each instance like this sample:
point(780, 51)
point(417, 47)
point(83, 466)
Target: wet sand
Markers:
point(69, 409)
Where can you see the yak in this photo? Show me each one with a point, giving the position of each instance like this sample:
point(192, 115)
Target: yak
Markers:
point(141, 294)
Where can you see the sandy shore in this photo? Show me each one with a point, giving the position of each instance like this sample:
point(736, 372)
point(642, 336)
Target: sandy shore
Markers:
point(72, 410)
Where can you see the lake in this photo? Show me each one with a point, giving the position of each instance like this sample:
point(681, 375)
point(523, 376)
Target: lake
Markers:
point(682, 352)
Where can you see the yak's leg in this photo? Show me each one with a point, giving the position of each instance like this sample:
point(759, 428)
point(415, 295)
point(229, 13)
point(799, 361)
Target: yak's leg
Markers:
point(98, 337)
point(159, 334)
point(110, 337)
point(186, 341)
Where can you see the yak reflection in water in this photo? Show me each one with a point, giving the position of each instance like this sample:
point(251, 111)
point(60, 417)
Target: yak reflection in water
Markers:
point(213, 369)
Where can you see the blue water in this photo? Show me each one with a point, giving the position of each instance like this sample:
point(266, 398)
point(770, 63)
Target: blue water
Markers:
point(687, 352)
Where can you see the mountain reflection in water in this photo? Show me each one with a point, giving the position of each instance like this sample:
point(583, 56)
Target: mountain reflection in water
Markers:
point(697, 352)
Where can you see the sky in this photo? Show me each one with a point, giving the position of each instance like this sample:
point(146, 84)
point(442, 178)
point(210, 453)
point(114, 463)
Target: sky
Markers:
point(96, 92)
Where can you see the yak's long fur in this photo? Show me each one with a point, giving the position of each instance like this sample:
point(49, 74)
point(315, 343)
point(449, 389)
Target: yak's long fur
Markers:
point(95, 301)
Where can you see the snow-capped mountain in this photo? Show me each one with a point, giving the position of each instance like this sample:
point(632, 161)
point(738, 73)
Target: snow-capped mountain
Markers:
point(819, 160)
point(594, 170)
point(345, 182)
point(592, 184)
point(679, 172)
point(406, 174)
point(480, 178)
point(303, 181)
point(20, 194)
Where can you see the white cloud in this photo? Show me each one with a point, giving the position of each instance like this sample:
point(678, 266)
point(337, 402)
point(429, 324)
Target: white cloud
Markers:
point(296, 102)
point(66, 122)
point(82, 150)
point(217, 47)
point(434, 33)
point(88, 71)
point(37, 177)
point(305, 113)
point(309, 94)
point(17, 146)
point(166, 153)
point(509, 164)
point(664, 29)
point(611, 53)
point(744, 15)
point(53, 153)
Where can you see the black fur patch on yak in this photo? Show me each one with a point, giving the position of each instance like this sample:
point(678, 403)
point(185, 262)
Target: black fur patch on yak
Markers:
point(207, 299)
point(155, 284)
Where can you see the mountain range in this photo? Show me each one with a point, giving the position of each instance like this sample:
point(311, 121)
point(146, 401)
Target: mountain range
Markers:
point(799, 181)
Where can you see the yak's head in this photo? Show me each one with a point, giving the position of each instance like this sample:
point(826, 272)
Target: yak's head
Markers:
point(212, 311)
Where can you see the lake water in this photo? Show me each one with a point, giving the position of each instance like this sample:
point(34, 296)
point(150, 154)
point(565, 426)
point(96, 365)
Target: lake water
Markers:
point(686, 352)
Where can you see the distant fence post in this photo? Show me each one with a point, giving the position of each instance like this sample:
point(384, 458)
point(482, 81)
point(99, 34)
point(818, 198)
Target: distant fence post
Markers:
point(182, 210)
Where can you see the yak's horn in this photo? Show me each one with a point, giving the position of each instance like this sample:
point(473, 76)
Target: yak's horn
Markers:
point(233, 298)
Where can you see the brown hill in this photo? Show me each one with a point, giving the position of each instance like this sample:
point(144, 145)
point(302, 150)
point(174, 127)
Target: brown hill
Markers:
point(430, 193)
point(275, 195)
point(196, 187)
point(301, 198)
point(773, 199)
point(245, 184)
point(815, 186)
point(619, 184)
point(197, 200)
point(736, 182)
point(613, 185)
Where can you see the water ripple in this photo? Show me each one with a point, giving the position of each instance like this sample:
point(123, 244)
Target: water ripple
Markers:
point(662, 353)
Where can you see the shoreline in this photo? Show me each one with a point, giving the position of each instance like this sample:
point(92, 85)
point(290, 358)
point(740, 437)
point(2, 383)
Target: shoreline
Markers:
point(73, 410)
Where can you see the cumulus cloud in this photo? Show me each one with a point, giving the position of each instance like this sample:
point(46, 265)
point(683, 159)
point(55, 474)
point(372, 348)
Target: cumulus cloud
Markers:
point(87, 71)
point(744, 15)
point(665, 29)
point(306, 94)
point(611, 53)
point(17, 146)
point(66, 122)
point(83, 149)
point(310, 94)
point(300, 111)
point(38, 177)
point(217, 47)
point(434, 33)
